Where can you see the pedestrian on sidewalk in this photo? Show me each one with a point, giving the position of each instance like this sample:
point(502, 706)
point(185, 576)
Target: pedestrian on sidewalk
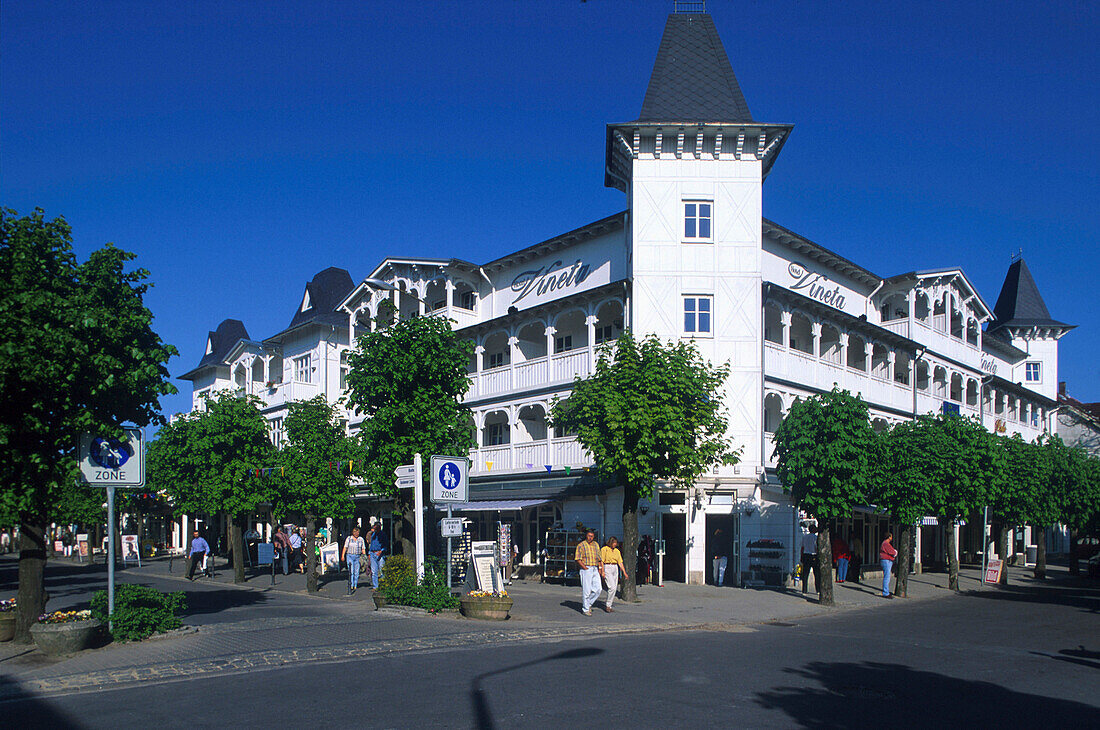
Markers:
point(887, 553)
point(282, 545)
point(296, 562)
point(841, 554)
point(354, 549)
point(855, 565)
point(199, 550)
point(591, 566)
point(647, 558)
point(809, 559)
point(612, 560)
point(377, 559)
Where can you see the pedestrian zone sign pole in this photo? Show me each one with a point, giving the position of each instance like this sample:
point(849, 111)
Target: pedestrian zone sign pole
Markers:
point(111, 462)
point(450, 485)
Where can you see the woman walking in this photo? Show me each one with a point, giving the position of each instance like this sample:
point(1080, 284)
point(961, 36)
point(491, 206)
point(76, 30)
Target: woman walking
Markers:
point(886, 555)
point(612, 566)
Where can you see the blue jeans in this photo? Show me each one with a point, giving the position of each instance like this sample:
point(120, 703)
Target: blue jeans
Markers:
point(887, 566)
point(377, 562)
point(353, 571)
point(720, 570)
point(842, 569)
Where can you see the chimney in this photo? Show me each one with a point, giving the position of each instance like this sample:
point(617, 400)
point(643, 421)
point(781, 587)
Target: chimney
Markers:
point(1062, 388)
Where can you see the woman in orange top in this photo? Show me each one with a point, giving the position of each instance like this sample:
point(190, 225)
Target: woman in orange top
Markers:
point(612, 566)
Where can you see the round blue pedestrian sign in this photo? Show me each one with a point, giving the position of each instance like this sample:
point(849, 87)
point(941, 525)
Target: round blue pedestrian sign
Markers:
point(450, 476)
point(110, 453)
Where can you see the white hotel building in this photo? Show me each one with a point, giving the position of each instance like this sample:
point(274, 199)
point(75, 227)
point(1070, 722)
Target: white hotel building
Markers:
point(690, 257)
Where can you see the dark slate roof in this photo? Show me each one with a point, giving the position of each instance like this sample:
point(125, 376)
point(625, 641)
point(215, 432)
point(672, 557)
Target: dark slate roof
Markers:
point(221, 340)
point(1020, 303)
point(692, 80)
point(326, 290)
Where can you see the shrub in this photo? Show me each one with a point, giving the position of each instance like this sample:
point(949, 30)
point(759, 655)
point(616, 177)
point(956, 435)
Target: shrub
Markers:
point(431, 593)
point(140, 611)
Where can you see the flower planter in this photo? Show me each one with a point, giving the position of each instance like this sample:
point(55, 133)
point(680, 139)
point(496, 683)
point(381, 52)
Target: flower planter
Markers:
point(7, 626)
point(66, 638)
point(379, 600)
point(488, 608)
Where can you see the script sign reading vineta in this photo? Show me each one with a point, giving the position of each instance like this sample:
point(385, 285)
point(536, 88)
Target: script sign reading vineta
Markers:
point(449, 483)
point(106, 461)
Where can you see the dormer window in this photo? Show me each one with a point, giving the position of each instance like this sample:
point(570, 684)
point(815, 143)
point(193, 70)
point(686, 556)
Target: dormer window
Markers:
point(209, 345)
point(306, 303)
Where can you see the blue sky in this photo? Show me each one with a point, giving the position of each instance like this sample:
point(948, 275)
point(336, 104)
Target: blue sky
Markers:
point(240, 147)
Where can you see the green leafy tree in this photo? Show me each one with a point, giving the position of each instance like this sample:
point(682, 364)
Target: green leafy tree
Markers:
point(203, 461)
point(408, 380)
point(1075, 489)
point(1014, 494)
point(1044, 507)
point(651, 411)
point(824, 449)
point(899, 484)
point(966, 460)
point(77, 354)
point(313, 480)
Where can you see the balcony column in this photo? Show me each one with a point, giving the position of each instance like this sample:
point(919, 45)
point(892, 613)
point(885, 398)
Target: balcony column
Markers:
point(479, 360)
point(911, 297)
point(513, 431)
point(815, 331)
point(844, 349)
point(891, 360)
point(785, 318)
point(868, 357)
point(513, 348)
point(590, 323)
point(450, 287)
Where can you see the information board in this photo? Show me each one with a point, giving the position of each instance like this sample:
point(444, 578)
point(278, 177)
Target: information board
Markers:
point(993, 570)
point(265, 553)
point(483, 555)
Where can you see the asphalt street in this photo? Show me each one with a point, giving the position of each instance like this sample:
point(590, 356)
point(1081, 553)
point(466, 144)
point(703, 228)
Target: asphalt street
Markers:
point(1027, 657)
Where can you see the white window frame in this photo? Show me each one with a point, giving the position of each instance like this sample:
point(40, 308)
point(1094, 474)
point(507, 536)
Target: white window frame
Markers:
point(695, 217)
point(606, 333)
point(694, 312)
point(496, 360)
point(303, 368)
point(563, 343)
point(496, 434)
point(277, 432)
point(1027, 372)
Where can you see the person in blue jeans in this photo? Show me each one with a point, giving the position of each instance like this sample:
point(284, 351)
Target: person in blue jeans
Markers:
point(353, 550)
point(377, 561)
point(886, 556)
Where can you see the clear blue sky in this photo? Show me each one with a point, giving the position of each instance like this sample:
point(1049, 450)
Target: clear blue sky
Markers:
point(240, 147)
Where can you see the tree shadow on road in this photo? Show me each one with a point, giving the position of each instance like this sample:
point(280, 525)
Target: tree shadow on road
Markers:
point(214, 601)
point(863, 694)
point(1070, 594)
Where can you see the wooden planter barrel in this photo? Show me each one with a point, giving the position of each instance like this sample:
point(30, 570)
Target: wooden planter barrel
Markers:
point(7, 626)
point(66, 638)
point(488, 608)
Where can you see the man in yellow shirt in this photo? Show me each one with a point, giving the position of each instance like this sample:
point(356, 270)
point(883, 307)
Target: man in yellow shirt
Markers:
point(612, 565)
point(591, 566)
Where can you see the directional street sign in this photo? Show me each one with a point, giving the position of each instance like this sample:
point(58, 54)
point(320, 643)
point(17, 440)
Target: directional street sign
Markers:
point(106, 461)
point(449, 483)
point(406, 482)
point(407, 470)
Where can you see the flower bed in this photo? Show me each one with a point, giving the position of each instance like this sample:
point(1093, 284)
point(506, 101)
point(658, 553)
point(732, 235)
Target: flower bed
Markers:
point(64, 617)
point(7, 620)
point(65, 632)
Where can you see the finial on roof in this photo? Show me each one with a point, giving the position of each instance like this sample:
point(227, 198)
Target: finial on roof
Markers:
point(689, 6)
point(1018, 255)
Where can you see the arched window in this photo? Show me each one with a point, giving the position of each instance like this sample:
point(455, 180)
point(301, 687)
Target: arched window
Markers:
point(939, 382)
point(880, 360)
point(773, 412)
point(830, 344)
point(920, 307)
point(532, 423)
point(497, 352)
point(922, 375)
point(496, 431)
point(956, 387)
point(857, 352)
point(572, 332)
point(773, 324)
point(971, 392)
point(895, 306)
point(609, 322)
point(801, 334)
point(531, 341)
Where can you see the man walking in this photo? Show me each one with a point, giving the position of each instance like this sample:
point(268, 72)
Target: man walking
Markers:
point(199, 550)
point(377, 561)
point(809, 559)
point(282, 544)
point(588, 559)
point(353, 550)
point(296, 562)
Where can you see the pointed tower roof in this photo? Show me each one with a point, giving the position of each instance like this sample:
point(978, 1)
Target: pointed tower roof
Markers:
point(692, 80)
point(322, 295)
point(1020, 304)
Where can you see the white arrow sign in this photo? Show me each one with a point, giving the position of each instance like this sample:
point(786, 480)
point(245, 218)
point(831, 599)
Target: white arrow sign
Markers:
point(407, 470)
point(405, 482)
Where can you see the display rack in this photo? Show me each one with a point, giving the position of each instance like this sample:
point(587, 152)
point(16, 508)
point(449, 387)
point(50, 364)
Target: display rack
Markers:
point(767, 563)
point(561, 548)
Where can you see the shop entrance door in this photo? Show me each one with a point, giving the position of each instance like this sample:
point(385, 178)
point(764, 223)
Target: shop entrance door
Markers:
point(722, 539)
point(674, 535)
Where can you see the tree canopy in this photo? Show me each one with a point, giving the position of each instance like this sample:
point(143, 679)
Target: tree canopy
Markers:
point(651, 411)
point(77, 354)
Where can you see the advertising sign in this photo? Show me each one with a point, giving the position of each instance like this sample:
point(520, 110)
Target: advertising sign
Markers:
point(483, 555)
point(130, 548)
point(449, 482)
point(993, 570)
point(82, 545)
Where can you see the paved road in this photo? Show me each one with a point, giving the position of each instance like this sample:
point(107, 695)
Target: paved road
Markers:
point(1030, 656)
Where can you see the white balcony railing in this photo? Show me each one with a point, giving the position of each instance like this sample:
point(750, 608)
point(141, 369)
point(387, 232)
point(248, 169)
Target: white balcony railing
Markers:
point(530, 374)
point(558, 453)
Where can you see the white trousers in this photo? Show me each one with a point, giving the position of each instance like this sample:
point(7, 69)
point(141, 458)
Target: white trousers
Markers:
point(611, 577)
point(590, 587)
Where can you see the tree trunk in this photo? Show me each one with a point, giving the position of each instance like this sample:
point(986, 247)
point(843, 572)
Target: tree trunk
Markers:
point(630, 543)
point(236, 543)
point(406, 527)
point(312, 584)
point(905, 554)
point(1073, 570)
point(825, 568)
point(1041, 554)
point(952, 554)
point(1002, 548)
point(32, 596)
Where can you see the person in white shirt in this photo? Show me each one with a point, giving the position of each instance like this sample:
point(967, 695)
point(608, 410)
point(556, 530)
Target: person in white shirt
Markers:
point(354, 548)
point(809, 559)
